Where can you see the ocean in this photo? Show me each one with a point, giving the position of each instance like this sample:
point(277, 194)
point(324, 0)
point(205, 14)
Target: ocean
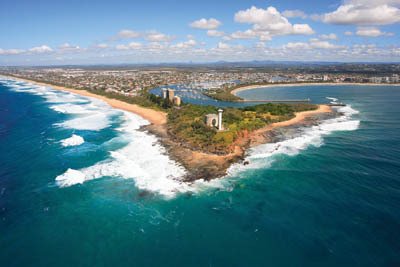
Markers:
point(82, 185)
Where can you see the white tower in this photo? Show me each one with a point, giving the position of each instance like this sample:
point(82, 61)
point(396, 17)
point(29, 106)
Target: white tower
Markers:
point(220, 119)
point(164, 93)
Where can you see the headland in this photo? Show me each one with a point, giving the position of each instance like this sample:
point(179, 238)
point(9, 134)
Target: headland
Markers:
point(210, 158)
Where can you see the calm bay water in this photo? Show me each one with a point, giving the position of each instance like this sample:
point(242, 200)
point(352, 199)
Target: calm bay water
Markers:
point(330, 197)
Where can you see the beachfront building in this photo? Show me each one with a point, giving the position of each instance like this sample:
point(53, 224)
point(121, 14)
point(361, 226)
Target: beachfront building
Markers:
point(214, 120)
point(171, 93)
point(168, 93)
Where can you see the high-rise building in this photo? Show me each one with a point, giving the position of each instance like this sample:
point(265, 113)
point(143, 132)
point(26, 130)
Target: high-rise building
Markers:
point(170, 93)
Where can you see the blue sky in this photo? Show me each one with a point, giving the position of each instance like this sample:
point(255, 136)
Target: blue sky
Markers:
point(90, 32)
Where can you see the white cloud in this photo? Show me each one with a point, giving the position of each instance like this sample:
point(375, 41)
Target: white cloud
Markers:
point(248, 34)
point(223, 46)
point(260, 45)
point(127, 34)
point(154, 36)
point(121, 47)
point(348, 33)
point(366, 12)
point(66, 47)
point(40, 49)
point(323, 45)
point(271, 22)
point(371, 32)
point(215, 33)
point(130, 46)
point(294, 14)
point(206, 24)
point(304, 29)
point(11, 51)
point(184, 45)
point(330, 36)
point(297, 45)
point(155, 47)
point(313, 43)
point(101, 46)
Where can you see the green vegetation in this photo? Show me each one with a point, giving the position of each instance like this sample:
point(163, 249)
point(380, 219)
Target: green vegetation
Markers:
point(223, 94)
point(187, 123)
point(145, 99)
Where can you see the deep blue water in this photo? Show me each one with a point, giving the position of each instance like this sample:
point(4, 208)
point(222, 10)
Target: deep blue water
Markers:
point(333, 202)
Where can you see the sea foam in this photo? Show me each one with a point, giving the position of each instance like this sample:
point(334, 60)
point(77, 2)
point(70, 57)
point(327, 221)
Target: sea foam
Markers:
point(90, 113)
point(142, 159)
point(70, 177)
point(74, 140)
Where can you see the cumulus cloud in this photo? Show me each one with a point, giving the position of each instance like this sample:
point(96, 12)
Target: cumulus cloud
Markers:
point(127, 34)
point(270, 22)
point(101, 46)
point(34, 50)
point(294, 14)
point(313, 43)
point(66, 47)
point(184, 45)
point(223, 46)
point(215, 33)
point(297, 45)
point(348, 33)
point(260, 45)
point(366, 12)
point(330, 36)
point(155, 36)
point(40, 49)
point(206, 24)
point(248, 34)
point(11, 51)
point(324, 45)
point(371, 32)
point(130, 46)
point(155, 47)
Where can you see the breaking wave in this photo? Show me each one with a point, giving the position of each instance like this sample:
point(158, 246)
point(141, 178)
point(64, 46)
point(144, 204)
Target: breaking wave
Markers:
point(142, 159)
point(263, 156)
point(74, 140)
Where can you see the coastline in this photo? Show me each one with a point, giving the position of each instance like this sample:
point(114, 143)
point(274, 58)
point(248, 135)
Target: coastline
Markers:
point(250, 87)
point(261, 136)
point(200, 165)
point(208, 166)
point(153, 116)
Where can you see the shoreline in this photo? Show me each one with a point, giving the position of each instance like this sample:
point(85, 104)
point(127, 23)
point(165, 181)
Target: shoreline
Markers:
point(250, 87)
point(199, 164)
point(153, 116)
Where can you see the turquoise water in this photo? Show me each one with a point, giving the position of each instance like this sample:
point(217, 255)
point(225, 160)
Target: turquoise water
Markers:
point(327, 196)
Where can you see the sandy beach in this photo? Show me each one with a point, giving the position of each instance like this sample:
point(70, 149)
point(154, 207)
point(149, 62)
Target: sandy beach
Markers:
point(300, 116)
point(250, 87)
point(153, 116)
point(260, 136)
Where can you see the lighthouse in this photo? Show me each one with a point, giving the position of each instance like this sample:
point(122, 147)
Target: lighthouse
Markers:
point(220, 119)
